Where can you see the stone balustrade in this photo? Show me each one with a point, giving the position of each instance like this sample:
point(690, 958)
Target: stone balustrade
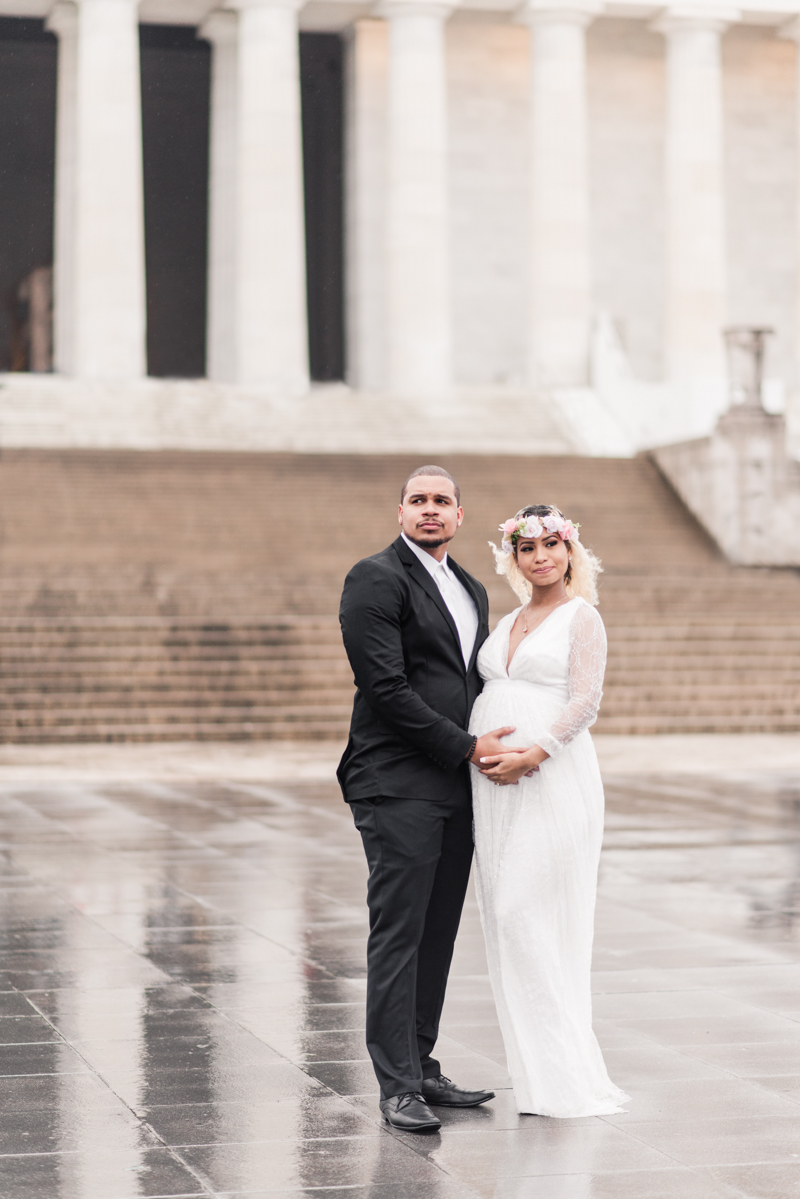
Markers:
point(742, 485)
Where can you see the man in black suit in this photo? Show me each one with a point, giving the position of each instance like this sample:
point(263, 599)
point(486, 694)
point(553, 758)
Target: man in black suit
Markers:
point(413, 622)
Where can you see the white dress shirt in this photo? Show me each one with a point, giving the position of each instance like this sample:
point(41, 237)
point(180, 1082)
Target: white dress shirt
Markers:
point(459, 602)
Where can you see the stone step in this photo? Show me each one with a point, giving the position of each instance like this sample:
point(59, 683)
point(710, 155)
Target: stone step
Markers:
point(633, 689)
point(158, 657)
point(679, 655)
point(648, 690)
point(622, 655)
point(768, 584)
point(715, 708)
point(669, 668)
point(670, 630)
point(281, 622)
point(180, 674)
point(688, 644)
point(233, 714)
point(672, 673)
point(109, 635)
point(683, 654)
point(82, 690)
point(120, 706)
point(653, 724)
point(190, 730)
point(330, 643)
point(748, 669)
point(144, 697)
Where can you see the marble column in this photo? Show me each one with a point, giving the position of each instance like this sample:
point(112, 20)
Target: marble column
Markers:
point(63, 21)
point(418, 305)
point(365, 197)
point(560, 277)
point(221, 30)
point(695, 267)
point(99, 227)
point(271, 348)
point(791, 31)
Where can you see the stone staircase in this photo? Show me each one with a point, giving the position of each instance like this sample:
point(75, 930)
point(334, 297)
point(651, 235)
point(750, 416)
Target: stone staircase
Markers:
point(147, 679)
point(166, 595)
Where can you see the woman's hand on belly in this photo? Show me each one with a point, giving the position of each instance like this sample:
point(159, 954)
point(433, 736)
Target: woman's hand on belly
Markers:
point(507, 769)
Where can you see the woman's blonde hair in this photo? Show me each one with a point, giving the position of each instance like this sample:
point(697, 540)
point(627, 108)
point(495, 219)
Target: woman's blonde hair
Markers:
point(581, 577)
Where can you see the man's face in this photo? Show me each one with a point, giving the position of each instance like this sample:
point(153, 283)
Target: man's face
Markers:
point(429, 513)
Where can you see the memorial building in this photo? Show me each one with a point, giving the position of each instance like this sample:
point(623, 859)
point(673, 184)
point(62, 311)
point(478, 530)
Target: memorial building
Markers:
point(560, 204)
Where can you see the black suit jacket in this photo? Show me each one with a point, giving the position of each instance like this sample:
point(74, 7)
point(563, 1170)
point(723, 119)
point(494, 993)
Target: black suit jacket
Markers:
point(408, 734)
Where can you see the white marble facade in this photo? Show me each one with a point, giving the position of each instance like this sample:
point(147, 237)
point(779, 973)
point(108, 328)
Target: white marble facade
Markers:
point(565, 199)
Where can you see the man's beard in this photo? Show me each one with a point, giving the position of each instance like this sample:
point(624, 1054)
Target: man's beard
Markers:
point(428, 541)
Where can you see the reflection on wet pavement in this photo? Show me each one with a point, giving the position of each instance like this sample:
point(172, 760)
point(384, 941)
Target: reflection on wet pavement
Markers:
point(182, 986)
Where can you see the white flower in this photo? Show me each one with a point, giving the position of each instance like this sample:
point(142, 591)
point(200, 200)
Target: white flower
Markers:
point(532, 527)
point(553, 523)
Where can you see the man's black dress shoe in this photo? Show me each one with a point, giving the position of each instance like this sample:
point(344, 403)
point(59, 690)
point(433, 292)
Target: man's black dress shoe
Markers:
point(410, 1112)
point(441, 1092)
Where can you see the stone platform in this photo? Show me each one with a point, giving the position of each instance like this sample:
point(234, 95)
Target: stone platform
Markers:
point(56, 412)
point(182, 985)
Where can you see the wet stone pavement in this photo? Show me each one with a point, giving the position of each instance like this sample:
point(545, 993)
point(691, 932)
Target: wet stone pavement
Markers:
point(182, 990)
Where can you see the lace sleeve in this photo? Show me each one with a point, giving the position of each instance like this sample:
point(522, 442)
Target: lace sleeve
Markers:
point(587, 664)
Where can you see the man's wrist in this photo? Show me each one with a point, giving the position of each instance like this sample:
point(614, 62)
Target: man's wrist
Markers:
point(469, 754)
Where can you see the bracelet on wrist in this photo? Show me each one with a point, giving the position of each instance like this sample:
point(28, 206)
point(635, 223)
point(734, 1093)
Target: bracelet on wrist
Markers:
point(472, 748)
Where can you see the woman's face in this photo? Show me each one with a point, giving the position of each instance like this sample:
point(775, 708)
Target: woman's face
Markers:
point(543, 560)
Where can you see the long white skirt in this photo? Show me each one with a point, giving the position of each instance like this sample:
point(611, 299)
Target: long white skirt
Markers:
point(537, 848)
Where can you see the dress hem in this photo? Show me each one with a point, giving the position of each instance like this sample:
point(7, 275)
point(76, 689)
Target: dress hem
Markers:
point(611, 1108)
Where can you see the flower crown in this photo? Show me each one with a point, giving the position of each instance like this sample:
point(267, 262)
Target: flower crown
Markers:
point(535, 526)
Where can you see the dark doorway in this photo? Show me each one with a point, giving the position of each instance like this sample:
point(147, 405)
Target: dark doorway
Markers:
point(28, 64)
point(176, 80)
point(321, 73)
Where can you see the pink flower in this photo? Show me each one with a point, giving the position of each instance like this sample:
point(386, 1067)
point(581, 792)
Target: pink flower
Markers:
point(508, 527)
point(553, 523)
point(569, 532)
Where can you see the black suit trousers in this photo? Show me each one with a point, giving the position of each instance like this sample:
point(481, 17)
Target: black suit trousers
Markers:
point(419, 854)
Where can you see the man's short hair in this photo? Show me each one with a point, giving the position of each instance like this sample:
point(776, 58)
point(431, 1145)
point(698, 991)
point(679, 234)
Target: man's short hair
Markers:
point(439, 471)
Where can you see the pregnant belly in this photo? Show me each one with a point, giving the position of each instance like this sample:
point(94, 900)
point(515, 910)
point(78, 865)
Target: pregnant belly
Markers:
point(531, 709)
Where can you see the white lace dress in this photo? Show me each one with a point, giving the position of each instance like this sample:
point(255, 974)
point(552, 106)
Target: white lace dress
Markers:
point(537, 851)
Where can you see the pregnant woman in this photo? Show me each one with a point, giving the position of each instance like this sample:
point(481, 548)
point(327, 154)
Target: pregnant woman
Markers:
point(539, 816)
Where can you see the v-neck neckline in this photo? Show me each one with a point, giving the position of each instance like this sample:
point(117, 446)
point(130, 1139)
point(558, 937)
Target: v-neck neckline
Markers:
point(527, 636)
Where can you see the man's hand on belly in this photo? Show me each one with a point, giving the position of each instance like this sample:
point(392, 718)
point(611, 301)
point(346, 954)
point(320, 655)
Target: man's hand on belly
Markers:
point(491, 743)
